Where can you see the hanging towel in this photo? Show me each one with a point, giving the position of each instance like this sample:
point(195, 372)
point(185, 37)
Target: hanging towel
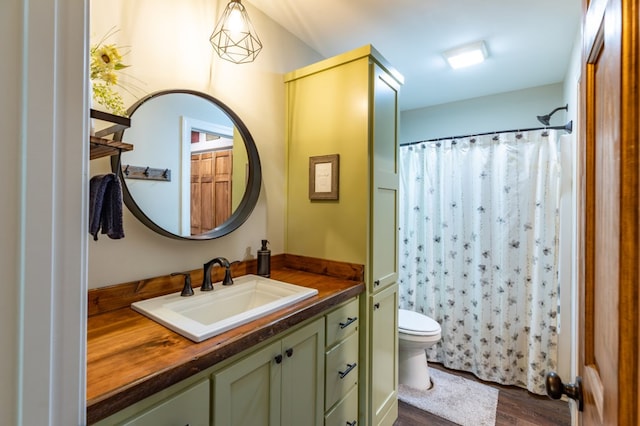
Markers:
point(105, 206)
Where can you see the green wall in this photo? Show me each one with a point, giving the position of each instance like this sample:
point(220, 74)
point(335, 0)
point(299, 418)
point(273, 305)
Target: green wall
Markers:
point(328, 114)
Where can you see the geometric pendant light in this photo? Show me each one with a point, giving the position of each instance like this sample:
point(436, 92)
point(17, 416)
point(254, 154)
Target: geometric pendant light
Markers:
point(234, 37)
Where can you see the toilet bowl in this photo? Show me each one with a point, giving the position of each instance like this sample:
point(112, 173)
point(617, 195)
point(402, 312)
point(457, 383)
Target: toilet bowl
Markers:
point(416, 333)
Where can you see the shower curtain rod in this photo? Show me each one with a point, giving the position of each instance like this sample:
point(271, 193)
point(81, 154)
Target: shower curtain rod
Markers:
point(567, 127)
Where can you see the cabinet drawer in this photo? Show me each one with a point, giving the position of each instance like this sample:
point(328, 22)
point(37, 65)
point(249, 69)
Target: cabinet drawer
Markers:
point(342, 370)
point(190, 406)
point(345, 412)
point(342, 322)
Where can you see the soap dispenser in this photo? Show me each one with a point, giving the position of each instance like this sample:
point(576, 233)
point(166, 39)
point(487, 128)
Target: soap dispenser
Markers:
point(264, 260)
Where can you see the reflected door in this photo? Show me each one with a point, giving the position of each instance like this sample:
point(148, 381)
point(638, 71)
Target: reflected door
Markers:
point(210, 190)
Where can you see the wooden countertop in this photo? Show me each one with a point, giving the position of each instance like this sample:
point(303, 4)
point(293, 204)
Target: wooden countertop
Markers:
point(130, 357)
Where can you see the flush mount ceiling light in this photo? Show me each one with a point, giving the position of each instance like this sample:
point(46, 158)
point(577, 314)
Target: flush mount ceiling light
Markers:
point(234, 37)
point(467, 55)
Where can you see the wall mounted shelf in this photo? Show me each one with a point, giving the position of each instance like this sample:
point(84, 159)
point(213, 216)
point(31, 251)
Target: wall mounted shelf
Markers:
point(101, 147)
point(105, 147)
point(119, 122)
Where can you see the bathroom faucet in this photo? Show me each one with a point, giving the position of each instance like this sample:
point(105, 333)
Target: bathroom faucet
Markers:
point(206, 279)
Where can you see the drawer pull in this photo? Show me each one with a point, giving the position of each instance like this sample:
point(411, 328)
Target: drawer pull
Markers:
point(278, 358)
point(376, 283)
point(350, 320)
point(289, 352)
point(353, 423)
point(376, 306)
point(348, 370)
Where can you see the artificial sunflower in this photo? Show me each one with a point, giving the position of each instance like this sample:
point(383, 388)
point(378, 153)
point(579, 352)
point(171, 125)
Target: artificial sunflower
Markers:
point(106, 60)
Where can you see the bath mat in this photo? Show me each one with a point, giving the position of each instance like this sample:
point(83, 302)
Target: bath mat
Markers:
point(455, 398)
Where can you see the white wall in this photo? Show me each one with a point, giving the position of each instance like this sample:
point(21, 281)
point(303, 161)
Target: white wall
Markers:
point(504, 111)
point(43, 219)
point(169, 48)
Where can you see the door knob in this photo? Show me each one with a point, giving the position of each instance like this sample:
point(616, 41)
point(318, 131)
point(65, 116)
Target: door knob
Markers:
point(555, 388)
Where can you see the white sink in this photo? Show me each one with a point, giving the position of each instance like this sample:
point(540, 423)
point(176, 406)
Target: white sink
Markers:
point(209, 313)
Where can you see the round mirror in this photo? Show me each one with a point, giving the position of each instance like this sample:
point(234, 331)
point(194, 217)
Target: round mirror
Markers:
point(194, 172)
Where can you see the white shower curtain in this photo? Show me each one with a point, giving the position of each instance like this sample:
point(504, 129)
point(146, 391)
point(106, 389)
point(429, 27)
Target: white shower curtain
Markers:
point(479, 230)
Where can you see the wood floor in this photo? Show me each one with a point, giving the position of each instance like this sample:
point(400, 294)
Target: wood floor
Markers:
point(516, 407)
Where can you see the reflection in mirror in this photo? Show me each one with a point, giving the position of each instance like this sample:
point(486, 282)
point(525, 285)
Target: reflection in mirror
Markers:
point(210, 158)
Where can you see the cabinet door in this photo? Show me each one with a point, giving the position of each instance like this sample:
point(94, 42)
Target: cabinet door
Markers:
point(189, 407)
point(384, 211)
point(303, 376)
point(247, 393)
point(384, 354)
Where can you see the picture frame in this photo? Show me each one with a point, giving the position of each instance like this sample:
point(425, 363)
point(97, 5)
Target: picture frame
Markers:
point(324, 173)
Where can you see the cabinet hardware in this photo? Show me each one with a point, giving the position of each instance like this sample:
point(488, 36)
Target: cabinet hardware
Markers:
point(289, 352)
point(353, 423)
point(349, 321)
point(376, 283)
point(376, 306)
point(350, 367)
point(278, 359)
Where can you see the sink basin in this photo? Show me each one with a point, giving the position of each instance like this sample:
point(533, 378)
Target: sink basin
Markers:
point(209, 313)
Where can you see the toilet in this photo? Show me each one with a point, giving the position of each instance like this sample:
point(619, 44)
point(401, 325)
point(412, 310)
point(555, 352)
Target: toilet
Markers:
point(416, 333)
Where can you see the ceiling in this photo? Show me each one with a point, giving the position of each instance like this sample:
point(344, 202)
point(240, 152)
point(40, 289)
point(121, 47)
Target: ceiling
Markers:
point(529, 42)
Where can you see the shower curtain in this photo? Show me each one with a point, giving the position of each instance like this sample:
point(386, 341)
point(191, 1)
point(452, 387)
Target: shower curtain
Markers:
point(479, 223)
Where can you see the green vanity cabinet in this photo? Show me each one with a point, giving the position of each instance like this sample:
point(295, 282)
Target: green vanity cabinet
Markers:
point(188, 407)
point(382, 309)
point(384, 351)
point(186, 403)
point(280, 384)
point(348, 105)
point(307, 375)
point(341, 360)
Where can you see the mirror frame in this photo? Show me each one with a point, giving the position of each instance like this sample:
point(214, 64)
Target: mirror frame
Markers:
point(254, 179)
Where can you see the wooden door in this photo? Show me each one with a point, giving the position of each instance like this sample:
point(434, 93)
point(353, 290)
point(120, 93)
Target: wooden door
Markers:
point(223, 165)
point(608, 214)
point(211, 178)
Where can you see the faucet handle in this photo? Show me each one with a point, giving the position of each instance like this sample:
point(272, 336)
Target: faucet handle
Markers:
point(187, 290)
point(227, 277)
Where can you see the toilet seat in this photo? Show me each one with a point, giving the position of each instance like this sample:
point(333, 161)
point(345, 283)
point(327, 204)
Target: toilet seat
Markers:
point(417, 324)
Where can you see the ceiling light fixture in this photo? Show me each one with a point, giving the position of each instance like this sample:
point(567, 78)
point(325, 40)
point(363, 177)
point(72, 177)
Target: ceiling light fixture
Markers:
point(467, 55)
point(234, 37)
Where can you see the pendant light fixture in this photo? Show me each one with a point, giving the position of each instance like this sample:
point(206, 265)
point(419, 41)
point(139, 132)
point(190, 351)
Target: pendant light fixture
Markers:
point(234, 37)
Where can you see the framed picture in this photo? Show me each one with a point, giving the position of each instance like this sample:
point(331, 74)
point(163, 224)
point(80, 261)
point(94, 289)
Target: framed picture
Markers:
point(323, 177)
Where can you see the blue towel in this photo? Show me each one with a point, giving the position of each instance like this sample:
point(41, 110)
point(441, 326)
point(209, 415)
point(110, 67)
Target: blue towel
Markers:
point(105, 206)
